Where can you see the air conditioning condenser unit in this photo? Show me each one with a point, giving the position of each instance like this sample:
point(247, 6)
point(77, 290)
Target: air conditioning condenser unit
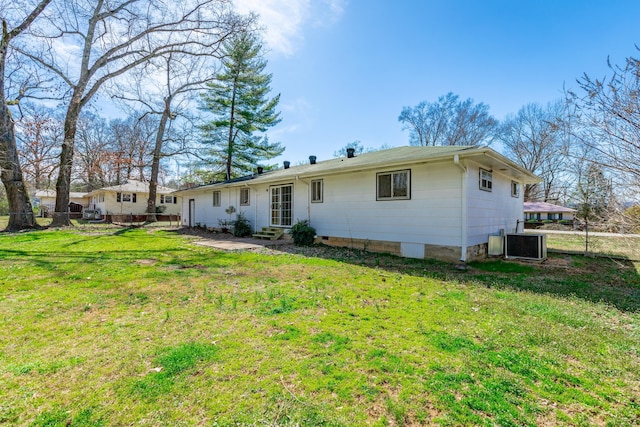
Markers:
point(526, 246)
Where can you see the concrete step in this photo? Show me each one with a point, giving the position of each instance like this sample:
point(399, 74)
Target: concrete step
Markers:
point(269, 233)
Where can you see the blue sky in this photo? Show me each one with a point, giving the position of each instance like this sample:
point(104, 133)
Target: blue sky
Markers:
point(345, 69)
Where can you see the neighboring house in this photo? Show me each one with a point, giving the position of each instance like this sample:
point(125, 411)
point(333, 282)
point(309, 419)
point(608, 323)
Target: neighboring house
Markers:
point(130, 199)
point(542, 211)
point(420, 202)
point(46, 200)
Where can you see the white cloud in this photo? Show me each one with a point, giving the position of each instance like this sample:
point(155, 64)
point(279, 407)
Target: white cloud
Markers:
point(286, 20)
point(298, 104)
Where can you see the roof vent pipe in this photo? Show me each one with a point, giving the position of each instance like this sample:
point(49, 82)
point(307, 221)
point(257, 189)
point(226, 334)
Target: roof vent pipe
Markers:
point(260, 170)
point(351, 152)
point(287, 164)
point(312, 160)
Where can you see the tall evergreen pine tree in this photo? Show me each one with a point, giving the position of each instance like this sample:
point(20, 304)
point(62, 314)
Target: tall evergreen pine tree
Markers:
point(242, 111)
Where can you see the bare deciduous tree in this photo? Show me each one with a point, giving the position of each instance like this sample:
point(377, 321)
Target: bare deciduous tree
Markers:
point(608, 120)
point(535, 139)
point(20, 209)
point(86, 43)
point(131, 147)
point(448, 121)
point(39, 134)
point(93, 164)
point(166, 88)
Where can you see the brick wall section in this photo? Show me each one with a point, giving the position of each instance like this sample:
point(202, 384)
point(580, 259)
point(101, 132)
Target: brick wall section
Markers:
point(477, 252)
point(443, 253)
point(364, 244)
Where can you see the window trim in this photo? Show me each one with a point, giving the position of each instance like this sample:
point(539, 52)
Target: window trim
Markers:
point(392, 174)
point(489, 182)
point(166, 199)
point(313, 193)
point(120, 197)
point(515, 185)
point(246, 202)
point(217, 203)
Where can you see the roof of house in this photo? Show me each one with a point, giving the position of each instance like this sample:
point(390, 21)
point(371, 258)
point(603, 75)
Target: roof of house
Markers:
point(134, 186)
point(52, 193)
point(389, 158)
point(546, 208)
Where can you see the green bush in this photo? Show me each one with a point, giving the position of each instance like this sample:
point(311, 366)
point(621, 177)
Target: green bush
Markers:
point(302, 233)
point(242, 226)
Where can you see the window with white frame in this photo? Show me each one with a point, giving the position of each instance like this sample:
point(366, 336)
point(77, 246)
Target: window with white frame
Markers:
point(167, 200)
point(394, 185)
point(515, 189)
point(216, 198)
point(126, 197)
point(316, 191)
point(245, 197)
point(486, 180)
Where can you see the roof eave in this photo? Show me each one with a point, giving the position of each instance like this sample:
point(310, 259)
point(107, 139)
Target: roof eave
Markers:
point(478, 153)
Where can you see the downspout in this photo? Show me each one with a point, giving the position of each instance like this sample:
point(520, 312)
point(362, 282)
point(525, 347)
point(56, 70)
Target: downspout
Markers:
point(464, 224)
point(255, 207)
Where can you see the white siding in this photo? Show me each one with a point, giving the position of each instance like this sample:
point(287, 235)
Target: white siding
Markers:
point(112, 206)
point(491, 211)
point(208, 215)
point(432, 215)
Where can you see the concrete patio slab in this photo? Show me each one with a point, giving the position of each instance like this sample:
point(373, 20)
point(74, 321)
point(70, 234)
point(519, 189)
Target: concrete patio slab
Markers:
point(240, 244)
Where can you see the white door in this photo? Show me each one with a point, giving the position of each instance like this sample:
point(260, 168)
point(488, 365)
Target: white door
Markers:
point(282, 205)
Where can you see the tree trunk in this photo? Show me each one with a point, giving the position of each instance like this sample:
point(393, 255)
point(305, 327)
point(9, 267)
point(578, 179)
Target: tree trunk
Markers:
point(63, 184)
point(155, 164)
point(232, 118)
point(20, 209)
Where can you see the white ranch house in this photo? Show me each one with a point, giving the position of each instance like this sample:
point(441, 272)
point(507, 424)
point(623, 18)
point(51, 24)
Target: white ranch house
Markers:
point(130, 198)
point(46, 199)
point(543, 211)
point(420, 202)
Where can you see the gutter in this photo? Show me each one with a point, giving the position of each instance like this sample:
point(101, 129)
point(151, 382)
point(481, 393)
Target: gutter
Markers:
point(463, 208)
point(255, 206)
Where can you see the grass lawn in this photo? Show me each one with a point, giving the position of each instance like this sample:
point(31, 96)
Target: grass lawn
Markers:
point(138, 326)
point(618, 246)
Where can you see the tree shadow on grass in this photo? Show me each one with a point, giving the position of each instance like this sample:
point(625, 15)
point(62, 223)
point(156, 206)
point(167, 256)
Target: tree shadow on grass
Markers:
point(60, 257)
point(612, 281)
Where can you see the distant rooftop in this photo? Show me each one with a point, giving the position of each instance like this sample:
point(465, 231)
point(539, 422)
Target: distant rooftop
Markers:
point(134, 186)
point(545, 207)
